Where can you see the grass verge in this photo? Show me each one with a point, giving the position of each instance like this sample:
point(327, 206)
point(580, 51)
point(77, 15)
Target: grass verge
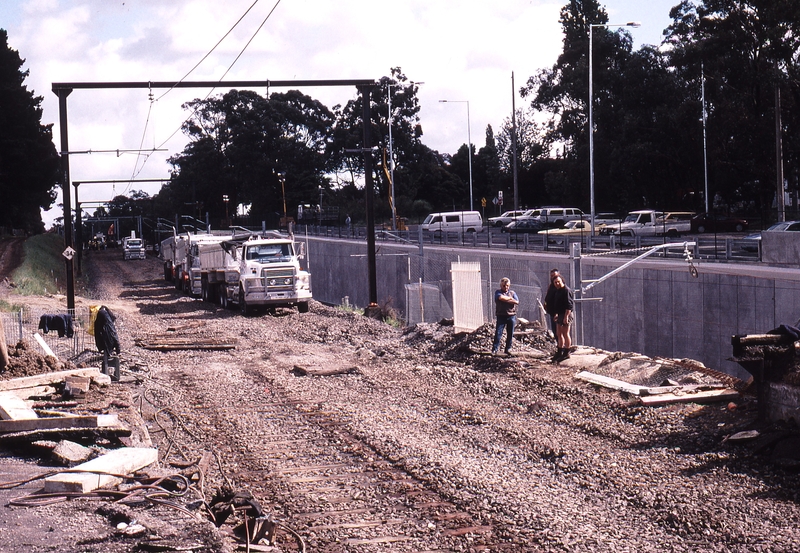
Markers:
point(42, 270)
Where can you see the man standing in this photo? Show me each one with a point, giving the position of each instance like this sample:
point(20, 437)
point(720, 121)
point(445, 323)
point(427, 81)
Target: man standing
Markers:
point(506, 302)
point(549, 301)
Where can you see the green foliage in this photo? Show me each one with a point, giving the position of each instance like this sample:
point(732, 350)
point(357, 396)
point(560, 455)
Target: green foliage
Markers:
point(29, 163)
point(6, 307)
point(42, 271)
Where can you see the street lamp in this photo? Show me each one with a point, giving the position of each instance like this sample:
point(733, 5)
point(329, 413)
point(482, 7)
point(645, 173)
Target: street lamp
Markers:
point(591, 123)
point(469, 145)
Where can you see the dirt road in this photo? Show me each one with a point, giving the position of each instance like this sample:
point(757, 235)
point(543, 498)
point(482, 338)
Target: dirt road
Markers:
point(419, 443)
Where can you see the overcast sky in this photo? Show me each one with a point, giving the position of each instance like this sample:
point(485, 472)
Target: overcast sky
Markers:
point(462, 50)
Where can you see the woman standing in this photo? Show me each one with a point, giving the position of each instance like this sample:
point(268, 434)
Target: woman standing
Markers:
point(563, 304)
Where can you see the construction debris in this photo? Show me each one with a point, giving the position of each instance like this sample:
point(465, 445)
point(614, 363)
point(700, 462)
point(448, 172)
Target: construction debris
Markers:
point(102, 471)
point(180, 343)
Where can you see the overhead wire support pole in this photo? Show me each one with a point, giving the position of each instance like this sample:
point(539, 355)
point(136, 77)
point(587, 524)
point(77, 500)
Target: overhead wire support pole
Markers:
point(79, 224)
point(372, 309)
point(62, 90)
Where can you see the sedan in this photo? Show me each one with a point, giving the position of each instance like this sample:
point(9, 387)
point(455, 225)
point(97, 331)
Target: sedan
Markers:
point(751, 241)
point(505, 218)
point(714, 222)
point(523, 226)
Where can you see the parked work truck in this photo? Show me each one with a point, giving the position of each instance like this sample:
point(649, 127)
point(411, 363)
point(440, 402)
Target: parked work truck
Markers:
point(181, 256)
point(132, 247)
point(648, 222)
point(254, 272)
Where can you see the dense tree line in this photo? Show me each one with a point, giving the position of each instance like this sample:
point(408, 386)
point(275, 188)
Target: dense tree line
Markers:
point(29, 162)
point(650, 145)
point(709, 107)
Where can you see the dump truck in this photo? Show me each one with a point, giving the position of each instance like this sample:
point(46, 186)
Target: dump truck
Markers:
point(181, 256)
point(254, 272)
point(133, 247)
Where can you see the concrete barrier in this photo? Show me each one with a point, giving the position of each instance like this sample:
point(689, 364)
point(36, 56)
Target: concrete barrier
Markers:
point(656, 307)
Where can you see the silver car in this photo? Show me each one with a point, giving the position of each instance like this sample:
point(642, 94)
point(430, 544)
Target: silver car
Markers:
point(751, 241)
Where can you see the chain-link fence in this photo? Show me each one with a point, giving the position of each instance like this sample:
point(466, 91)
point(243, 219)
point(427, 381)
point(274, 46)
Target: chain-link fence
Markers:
point(67, 340)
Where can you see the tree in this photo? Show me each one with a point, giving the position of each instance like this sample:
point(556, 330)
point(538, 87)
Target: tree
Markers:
point(749, 51)
point(406, 134)
point(29, 162)
point(240, 145)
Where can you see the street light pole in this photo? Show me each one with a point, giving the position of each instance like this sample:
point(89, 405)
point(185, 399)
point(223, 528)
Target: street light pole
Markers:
point(469, 146)
point(591, 121)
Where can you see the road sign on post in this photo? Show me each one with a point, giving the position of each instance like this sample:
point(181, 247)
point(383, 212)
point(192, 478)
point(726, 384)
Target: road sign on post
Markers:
point(500, 197)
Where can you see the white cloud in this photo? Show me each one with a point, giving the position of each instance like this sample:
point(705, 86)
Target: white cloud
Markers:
point(462, 50)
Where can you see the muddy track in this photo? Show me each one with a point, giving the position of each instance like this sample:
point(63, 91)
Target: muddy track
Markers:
point(421, 446)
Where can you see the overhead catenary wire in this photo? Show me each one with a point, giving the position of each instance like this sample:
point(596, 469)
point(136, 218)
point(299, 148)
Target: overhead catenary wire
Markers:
point(194, 112)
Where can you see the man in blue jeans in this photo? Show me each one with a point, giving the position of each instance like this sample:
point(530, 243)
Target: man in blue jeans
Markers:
point(506, 302)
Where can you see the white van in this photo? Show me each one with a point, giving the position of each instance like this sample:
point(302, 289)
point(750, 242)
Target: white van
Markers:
point(453, 221)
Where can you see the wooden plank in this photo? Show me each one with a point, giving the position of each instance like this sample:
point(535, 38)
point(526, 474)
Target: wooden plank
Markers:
point(707, 396)
point(14, 408)
point(608, 382)
point(71, 421)
point(35, 391)
point(47, 378)
point(119, 461)
point(47, 351)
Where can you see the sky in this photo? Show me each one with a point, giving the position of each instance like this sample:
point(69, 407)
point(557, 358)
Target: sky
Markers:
point(463, 51)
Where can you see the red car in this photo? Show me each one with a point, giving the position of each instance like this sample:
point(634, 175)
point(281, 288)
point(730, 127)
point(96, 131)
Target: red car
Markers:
point(714, 222)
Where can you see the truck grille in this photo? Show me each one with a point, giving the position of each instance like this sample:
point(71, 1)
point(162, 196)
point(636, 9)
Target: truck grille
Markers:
point(279, 279)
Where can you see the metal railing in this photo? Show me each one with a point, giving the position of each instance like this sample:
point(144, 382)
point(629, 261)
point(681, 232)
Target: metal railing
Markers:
point(708, 247)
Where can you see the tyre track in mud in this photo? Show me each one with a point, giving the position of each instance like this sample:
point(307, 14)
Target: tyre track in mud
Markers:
point(414, 452)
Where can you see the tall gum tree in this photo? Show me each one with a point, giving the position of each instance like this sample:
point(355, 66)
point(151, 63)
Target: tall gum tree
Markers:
point(29, 162)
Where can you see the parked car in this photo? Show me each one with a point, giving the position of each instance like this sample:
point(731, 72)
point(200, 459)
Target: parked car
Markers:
point(751, 241)
point(505, 218)
point(523, 226)
point(572, 228)
point(453, 221)
point(555, 217)
point(715, 222)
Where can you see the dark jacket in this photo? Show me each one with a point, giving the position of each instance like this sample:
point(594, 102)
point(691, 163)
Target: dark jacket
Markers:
point(105, 333)
point(60, 323)
point(549, 299)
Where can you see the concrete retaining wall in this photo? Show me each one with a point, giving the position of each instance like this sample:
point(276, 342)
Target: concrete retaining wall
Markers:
point(780, 248)
point(656, 307)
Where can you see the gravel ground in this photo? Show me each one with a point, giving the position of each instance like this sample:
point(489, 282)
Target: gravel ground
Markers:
point(424, 443)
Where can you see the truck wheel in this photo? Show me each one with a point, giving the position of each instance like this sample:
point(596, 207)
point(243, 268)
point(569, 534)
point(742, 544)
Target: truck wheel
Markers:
point(223, 297)
point(302, 307)
point(701, 229)
point(204, 289)
point(672, 233)
point(243, 304)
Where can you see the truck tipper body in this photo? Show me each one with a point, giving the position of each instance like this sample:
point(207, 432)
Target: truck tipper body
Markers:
point(648, 222)
point(181, 256)
point(258, 272)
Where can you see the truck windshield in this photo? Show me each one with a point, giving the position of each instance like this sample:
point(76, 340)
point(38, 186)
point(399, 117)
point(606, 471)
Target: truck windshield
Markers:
point(271, 253)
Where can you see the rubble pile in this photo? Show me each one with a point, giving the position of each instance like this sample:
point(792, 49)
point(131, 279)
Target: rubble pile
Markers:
point(24, 360)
